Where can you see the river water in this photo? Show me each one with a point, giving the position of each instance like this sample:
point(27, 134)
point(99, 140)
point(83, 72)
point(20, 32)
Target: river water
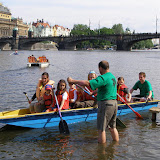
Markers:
point(141, 138)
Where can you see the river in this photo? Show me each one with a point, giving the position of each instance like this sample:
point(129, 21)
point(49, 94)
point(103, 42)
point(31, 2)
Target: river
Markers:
point(140, 140)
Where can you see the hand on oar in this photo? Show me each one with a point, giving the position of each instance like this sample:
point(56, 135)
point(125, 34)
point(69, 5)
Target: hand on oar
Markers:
point(137, 114)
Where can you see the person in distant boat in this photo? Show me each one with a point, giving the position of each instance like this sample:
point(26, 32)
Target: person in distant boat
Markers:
point(89, 100)
point(62, 97)
point(106, 97)
point(123, 91)
point(16, 52)
point(146, 92)
point(72, 95)
point(40, 90)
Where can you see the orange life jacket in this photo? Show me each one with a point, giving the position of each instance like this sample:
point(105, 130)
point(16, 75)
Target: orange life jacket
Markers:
point(59, 98)
point(120, 89)
point(47, 100)
point(87, 96)
point(80, 96)
point(40, 90)
point(71, 94)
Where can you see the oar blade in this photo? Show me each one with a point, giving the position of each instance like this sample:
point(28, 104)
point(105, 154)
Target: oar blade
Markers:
point(138, 115)
point(120, 123)
point(63, 127)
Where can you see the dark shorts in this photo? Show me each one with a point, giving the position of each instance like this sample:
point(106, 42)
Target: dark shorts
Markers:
point(107, 114)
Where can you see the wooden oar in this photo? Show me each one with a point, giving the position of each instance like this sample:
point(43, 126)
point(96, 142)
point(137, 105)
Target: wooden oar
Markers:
point(119, 122)
point(26, 96)
point(137, 114)
point(63, 127)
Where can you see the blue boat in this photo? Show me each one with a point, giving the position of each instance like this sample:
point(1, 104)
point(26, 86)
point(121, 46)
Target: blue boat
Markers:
point(23, 118)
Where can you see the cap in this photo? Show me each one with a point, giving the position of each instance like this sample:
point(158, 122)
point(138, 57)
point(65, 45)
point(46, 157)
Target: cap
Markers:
point(92, 72)
point(48, 87)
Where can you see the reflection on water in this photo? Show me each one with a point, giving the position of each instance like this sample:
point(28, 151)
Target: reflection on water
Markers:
point(140, 140)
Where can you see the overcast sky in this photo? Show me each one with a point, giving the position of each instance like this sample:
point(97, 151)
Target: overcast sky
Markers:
point(138, 15)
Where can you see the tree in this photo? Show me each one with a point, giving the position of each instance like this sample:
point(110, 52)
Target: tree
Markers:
point(80, 29)
point(118, 29)
point(143, 44)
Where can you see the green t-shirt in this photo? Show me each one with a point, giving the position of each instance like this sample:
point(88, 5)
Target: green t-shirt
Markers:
point(107, 86)
point(144, 88)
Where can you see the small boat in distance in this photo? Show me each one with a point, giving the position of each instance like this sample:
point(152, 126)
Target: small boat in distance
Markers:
point(40, 61)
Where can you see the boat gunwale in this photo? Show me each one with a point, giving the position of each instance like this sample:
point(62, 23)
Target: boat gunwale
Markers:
point(63, 111)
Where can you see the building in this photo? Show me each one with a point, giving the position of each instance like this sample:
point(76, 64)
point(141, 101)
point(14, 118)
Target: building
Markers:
point(61, 31)
point(41, 29)
point(7, 24)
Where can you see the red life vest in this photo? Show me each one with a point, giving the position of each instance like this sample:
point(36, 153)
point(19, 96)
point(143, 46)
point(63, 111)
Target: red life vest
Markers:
point(47, 100)
point(59, 98)
point(71, 94)
point(87, 96)
point(79, 96)
point(120, 89)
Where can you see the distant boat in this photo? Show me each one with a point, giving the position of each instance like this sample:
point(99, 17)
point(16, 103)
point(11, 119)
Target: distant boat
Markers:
point(40, 61)
point(89, 49)
point(14, 53)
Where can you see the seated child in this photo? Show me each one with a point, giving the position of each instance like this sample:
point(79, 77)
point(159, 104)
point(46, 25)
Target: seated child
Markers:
point(72, 95)
point(123, 91)
point(88, 100)
point(47, 97)
point(62, 97)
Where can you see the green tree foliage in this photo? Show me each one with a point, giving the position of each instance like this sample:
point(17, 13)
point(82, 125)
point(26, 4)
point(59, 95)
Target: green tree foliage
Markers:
point(143, 44)
point(80, 29)
point(118, 29)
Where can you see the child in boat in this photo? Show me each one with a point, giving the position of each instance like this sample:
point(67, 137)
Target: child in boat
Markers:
point(62, 97)
point(72, 95)
point(123, 91)
point(89, 100)
point(47, 97)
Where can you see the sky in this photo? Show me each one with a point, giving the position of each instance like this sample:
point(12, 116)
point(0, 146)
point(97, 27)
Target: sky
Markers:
point(140, 16)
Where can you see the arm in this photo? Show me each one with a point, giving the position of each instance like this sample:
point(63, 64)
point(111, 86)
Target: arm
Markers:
point(150, 95)
point(80, 82)
point(129, 97)
point(62, 103)
point(75, 97)
point(131, 90)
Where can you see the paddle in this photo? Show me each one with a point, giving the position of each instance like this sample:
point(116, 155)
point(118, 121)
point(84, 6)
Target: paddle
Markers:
point(142, 98)
point(84, 90)
point(26, 96)
point(137, 114)
point(119, 122)
point(63, 127)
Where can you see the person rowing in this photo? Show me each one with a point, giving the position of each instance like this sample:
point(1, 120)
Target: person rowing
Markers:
point(40, 90)
point(146, 92)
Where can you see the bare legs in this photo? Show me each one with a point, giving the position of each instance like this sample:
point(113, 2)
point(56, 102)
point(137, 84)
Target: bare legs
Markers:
point(102, 135)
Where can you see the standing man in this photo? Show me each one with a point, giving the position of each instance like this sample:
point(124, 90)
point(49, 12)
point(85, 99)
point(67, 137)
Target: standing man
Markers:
point(145, 88)
point(106, 97)
point(40, 90)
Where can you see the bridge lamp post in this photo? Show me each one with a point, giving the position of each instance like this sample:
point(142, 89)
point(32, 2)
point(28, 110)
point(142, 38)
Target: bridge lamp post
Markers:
point(156, 24)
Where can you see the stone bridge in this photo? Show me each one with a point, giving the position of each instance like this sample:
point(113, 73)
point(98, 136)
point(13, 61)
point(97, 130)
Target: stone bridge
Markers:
point(123, 42)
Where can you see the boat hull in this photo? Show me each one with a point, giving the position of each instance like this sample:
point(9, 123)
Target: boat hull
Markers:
point(22, 117)
point(42, 65)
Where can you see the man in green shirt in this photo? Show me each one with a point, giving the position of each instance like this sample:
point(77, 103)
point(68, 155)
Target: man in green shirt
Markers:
point(106, 97)
point(144, 86)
